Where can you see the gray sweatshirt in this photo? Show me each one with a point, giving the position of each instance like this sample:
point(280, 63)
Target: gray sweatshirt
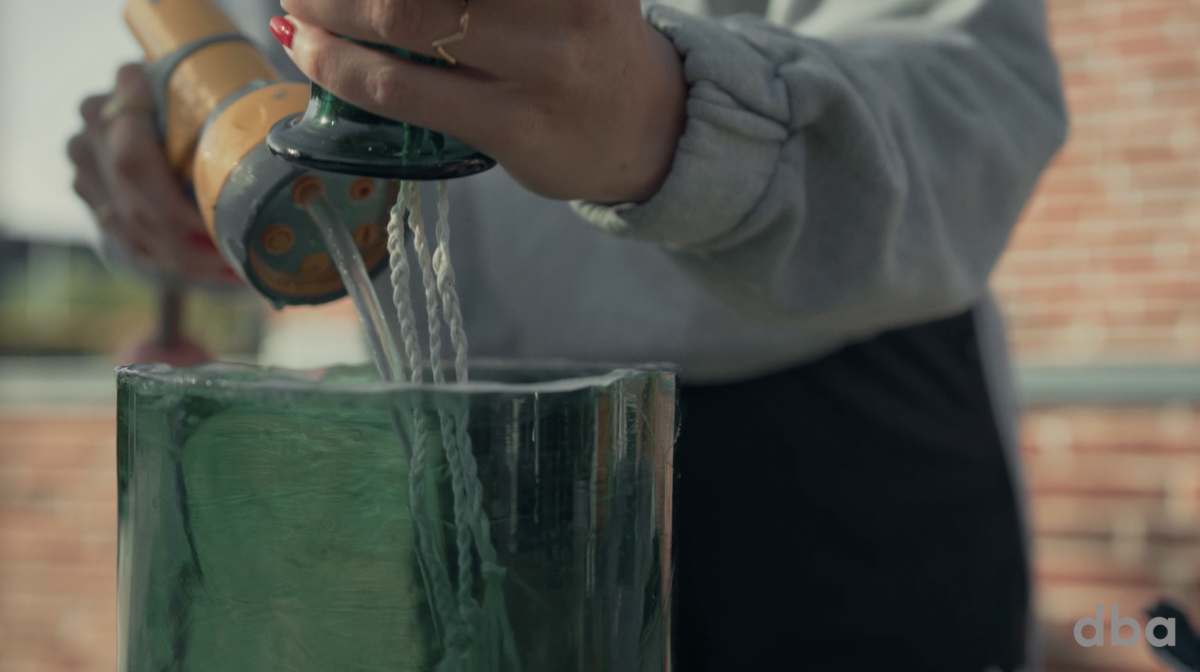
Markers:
point(859, 171)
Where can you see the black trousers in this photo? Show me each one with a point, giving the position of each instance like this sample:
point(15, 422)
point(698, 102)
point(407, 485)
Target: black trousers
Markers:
point(855, 513)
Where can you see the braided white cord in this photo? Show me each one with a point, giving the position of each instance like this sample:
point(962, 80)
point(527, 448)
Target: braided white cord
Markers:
point(461, 456)
point(416, 224)
point(454, 429)
point(457, 427)
point(442, 594)
point(445, 284)
point(490, 568)
point(474, 491)
point(463, 515)
point(401, 293)
point(470, 521)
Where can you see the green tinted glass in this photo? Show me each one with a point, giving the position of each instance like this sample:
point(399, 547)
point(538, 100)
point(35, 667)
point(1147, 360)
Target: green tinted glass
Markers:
point(335, 136)
point(280, 520)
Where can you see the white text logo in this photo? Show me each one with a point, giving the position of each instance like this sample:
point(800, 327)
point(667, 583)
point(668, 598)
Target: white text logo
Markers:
point(1119, 624)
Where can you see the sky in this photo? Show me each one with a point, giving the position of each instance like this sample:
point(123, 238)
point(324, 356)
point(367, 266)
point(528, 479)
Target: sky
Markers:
point(53, 53)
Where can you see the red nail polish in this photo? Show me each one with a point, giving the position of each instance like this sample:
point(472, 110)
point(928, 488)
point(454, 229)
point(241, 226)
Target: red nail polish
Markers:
point(283, 30)
point(201, 241)
point(228, 273)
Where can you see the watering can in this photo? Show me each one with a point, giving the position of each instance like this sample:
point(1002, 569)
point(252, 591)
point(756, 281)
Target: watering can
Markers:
point(218, 102)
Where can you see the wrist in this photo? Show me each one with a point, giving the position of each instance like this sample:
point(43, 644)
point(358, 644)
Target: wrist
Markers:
point(655, 126)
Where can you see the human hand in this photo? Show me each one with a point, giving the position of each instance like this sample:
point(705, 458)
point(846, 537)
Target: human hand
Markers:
point(122, 172)
point(577, 99)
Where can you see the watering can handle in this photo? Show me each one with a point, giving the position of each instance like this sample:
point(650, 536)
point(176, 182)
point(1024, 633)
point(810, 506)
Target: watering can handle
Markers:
point(196, 60)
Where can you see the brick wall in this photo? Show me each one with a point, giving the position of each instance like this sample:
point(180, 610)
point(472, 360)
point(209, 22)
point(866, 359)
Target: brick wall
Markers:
point(58, 542)
point(1106, 265)
point(1105, 268)
point(1115, 504)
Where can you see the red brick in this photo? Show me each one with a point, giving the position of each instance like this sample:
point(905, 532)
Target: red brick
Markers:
point(1129, 176)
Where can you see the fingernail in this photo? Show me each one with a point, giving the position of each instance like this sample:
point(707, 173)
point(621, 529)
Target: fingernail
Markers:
point(230, 274)
point(283, 30)
point(201, 241)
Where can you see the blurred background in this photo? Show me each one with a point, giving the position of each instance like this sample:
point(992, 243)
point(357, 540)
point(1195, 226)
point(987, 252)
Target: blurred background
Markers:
point(1102, 290)
point(1101, 287)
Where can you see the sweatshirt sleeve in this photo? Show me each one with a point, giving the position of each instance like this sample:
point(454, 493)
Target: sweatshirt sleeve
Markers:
point(858, 167)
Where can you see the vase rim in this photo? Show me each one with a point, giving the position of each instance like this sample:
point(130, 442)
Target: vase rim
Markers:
point(563, 376)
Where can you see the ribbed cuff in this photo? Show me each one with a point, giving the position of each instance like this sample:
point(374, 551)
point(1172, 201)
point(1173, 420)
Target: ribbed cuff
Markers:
point(727, 153)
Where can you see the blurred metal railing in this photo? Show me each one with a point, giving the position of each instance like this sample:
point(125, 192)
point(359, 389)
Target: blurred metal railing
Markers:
point(1127, 385)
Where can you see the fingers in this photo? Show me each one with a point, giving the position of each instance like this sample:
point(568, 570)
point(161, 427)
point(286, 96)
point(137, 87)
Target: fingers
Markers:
point(447, 100)
point(89, 184)
point(89, 109)
point(409, 24)
point(147, 194)
point(131, 138)
point(122, 172)
point(134, 86)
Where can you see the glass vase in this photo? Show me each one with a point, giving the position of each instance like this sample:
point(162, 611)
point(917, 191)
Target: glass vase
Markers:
point(317, 521)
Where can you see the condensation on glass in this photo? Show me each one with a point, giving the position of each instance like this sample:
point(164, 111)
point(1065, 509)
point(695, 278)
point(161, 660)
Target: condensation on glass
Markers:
point(267, 521)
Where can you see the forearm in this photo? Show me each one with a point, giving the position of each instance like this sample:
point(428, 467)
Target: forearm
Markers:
point(861, 179)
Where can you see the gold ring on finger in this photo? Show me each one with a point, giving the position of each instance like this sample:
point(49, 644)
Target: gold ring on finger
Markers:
point(440, 45)
point(115, 106)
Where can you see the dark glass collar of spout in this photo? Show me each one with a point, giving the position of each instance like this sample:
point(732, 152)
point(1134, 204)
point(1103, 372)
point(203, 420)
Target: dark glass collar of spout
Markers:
point(335, 136)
